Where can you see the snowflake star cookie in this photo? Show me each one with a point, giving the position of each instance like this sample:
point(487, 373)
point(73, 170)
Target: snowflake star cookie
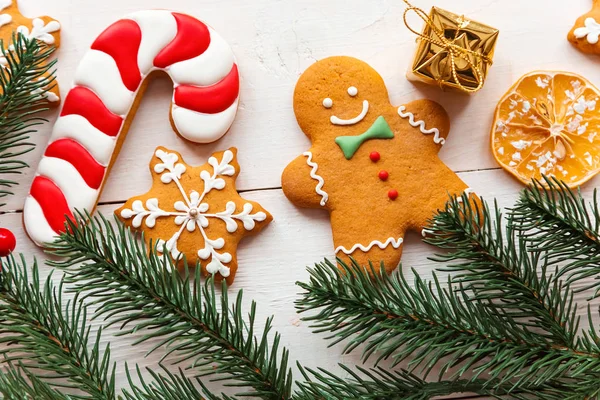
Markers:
point(372, 165)
point(585, 35)
point(196, 212)
point(43, 29)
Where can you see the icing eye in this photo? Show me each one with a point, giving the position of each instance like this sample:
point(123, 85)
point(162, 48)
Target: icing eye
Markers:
point(352, 91)
point(328, 103)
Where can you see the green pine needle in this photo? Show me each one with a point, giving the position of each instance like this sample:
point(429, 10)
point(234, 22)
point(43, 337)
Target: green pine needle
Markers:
point(54, 344)
point(23, 83)
point(17, 384)
point(143, 292)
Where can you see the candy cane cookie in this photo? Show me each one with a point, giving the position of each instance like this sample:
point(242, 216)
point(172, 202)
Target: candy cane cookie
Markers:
point(99, 109)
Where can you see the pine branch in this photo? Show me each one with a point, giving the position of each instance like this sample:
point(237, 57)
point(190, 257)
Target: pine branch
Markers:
point(18, 384)
point(495, 264)
point(560, 223)
point(435, 326)
point(380, 384)
point(166, 387)
point(144, 292)
point(23, 85)
point(47, 341)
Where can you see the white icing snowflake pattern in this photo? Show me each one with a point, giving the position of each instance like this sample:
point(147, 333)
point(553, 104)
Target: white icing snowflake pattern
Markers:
point(40, 30)
point(590, 31)
point(192, 213)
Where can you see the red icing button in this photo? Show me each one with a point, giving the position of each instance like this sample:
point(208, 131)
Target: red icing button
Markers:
point(393, 194)
point(7, 242)
point(375, 156)
point(384, 175)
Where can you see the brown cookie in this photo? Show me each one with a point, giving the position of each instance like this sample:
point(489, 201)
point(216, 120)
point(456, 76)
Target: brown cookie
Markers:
point(45, 29)
point(196, 212)
point(586, 32)
point(373, 166)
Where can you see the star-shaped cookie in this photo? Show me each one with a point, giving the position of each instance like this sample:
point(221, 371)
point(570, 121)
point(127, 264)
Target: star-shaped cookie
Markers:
point(44, 29)
point(195, 212)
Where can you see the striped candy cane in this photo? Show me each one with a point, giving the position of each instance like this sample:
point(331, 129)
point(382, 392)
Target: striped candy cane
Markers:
point(97, 112)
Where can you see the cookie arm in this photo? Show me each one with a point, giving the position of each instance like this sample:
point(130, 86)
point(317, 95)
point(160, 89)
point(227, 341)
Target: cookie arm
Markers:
point(302, 183)
point(430, 119)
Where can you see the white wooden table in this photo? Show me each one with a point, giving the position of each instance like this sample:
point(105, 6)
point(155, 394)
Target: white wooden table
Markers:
point(274, 42)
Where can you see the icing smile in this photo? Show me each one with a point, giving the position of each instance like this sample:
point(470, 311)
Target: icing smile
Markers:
point(338, 121)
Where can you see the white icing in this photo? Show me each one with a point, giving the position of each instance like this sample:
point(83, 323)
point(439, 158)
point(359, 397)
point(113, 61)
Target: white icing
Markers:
point(44, 94)
point(76, 127)
point(40, 31)
point(313, 174)
point(35, 223)
point(159, 28)
point(98, 71)
point(200, 127)
point(192, 213)
point(352, 91)
point(78, 194)
point(396, 243)
point(590, 30)
point(208, 68)
point(5, 18)
point(353, 121)
point(421, 125)
point(327, 103)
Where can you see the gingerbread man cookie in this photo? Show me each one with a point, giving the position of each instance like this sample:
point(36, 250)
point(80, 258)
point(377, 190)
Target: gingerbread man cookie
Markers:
point(373, 166)
point(196, 211)
point(585, 34)
point(44, 29)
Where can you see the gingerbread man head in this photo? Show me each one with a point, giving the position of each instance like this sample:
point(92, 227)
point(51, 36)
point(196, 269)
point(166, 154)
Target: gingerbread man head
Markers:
point(373, 166)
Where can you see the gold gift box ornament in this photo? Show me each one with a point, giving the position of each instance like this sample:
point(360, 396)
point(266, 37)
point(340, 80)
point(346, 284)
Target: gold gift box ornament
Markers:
point(454, 52)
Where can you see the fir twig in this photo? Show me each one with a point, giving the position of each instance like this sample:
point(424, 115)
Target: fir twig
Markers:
point(557, 221)
point(47, 341)
point(496, 264)
point(380, 384)
point(17, 384)
point(144, 292)
point(24, 80)
point(435, 326)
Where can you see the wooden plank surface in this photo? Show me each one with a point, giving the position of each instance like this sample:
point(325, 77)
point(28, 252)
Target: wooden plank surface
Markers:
point(274, 41)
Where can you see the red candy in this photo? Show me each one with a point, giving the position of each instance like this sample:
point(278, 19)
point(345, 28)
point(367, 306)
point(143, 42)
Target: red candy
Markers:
point(8, 242)
point(393, 194)
point(375, 156)
point(384, 175)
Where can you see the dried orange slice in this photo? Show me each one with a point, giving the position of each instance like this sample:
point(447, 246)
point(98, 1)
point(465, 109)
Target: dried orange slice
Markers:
point(549, 124)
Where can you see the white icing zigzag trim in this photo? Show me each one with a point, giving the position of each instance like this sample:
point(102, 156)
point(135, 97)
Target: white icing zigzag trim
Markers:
point(396, 243)
point(421, 125)
point(313, 174)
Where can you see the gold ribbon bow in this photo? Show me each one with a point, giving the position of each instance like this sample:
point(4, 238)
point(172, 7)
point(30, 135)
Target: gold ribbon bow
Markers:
point(454, 50)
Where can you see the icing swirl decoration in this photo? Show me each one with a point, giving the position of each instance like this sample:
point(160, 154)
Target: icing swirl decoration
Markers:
point(197, 223)
point(97, 109)
point(313, 174)
point(395, 243)
point(437, 139)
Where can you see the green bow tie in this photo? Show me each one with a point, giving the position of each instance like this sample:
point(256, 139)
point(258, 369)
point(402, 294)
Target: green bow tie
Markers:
point(350, 144)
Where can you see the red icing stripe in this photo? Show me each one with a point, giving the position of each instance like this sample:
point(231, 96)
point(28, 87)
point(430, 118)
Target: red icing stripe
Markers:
point(192, 39)
point(75, 154)
point(210, 99)
point(122, 41)
point(53, 203)
point(82, 101)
